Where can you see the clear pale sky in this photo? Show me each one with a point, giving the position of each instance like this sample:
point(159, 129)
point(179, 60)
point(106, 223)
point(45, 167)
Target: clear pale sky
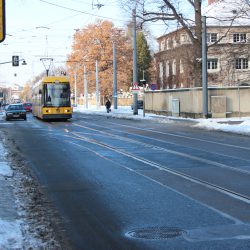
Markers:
point(44, 28)
point(37, 28)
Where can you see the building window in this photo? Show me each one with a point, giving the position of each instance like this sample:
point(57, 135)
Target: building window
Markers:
point(161, 72)
point(183, 38)
point(174, 42)
point(241, 63)
point(174, 67)
point(167, 69)
point(211, 37)
point(162, 45)
point(239, 37)
point(212, 63)
point(181, 67)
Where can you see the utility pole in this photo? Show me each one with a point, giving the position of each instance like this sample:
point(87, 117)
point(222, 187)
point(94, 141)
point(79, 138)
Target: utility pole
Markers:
point(75, 77)
point(135, 70)
point(85, 88)
point(204, 69)
point(115, 76)
point(97, 85)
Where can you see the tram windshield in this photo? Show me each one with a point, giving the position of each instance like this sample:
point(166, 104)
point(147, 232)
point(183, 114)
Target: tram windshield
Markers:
point(57, 95)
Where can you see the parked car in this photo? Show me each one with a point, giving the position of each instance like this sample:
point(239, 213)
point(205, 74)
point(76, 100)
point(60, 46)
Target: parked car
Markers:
point(15, 111)
point(27, 106)
point(139, 104)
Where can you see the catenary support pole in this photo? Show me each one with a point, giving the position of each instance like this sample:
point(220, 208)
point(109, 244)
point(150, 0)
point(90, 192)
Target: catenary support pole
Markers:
point(135, 70)
point(115, 76)
point(97, 85)
point(204, 69)
point(85, 88)
point(75, 77)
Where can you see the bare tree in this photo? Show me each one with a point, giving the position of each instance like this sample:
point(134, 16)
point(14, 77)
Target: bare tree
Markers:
point(178, 13)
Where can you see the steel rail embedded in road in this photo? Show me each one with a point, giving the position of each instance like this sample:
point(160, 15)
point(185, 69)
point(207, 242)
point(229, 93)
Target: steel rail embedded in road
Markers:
point(217, 164)
point(228, 192)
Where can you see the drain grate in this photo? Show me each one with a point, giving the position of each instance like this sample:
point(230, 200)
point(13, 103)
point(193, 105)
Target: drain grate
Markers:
point(155, 233)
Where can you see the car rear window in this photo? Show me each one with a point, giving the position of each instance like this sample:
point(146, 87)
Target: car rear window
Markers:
point(15, 107)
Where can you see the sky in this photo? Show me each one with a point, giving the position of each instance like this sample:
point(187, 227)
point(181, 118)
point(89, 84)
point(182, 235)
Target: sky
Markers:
point(11, 236)
point(38, 29)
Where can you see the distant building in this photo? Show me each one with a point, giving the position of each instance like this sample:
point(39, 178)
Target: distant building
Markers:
point(15, 93)
point(228, 40)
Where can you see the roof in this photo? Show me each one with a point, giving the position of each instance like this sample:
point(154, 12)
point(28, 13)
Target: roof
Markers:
point(52, 79)
point(228, 13)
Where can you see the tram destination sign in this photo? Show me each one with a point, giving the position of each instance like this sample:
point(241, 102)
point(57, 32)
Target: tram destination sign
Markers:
point(2, 20)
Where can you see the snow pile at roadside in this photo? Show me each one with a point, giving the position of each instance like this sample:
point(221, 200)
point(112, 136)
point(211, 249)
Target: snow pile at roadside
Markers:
point(10, 230)
point(10, 234)
point(234, 125)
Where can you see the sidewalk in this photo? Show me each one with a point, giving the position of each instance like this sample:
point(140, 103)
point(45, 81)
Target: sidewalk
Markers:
point(10, 224)
point(23, 223)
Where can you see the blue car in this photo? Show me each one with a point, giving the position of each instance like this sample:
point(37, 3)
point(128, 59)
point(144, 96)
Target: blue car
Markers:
point(15, 111)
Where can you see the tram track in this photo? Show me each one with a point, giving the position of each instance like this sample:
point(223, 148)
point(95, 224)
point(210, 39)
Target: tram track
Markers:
point(225, 191)
point(196, 158)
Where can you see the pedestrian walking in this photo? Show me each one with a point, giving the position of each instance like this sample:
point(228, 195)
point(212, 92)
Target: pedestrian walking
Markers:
point(108, 105)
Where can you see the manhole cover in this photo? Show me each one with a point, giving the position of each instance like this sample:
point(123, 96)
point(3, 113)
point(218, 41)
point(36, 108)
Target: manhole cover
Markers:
point(156, 233)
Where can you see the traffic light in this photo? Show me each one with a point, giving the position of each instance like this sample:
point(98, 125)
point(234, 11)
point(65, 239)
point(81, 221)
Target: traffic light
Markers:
point(15, 61)
point(2, 20)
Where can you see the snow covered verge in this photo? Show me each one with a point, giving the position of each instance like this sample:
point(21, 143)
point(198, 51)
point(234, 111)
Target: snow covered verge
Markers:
point(36, 225)
point(238, 125)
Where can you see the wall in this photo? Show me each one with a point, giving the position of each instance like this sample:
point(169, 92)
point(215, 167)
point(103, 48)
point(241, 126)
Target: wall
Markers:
point(160, 101)
point(92, 101)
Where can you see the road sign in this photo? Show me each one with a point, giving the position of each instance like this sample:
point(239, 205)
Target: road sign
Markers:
point(135, 87)
point(153, 86)
point(2, 20)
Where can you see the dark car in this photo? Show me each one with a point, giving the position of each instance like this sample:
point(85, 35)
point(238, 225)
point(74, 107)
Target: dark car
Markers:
point(27, 106)
point(15, 111)
point(139, 104)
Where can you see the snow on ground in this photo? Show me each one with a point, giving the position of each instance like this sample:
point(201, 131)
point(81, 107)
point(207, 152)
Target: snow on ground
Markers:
point(239, 125)
point(10, 230)
point(27, 220)
point(10, 234)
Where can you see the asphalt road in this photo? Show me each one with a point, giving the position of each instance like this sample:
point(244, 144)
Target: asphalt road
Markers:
point(124, 184)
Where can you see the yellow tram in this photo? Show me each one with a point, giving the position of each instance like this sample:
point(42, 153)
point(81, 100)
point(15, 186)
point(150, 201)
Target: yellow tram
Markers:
point(51, 98)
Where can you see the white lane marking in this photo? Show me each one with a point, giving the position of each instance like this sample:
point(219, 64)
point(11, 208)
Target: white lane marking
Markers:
point(225, 191)
point(182, 136)
point(236, 220)
point(217, 164)
point(172, 143)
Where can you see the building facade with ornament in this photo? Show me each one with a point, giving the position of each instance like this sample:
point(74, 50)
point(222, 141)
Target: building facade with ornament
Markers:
point(228, 49)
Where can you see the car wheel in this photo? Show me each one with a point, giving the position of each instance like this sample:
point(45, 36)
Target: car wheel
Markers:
point(7, 119)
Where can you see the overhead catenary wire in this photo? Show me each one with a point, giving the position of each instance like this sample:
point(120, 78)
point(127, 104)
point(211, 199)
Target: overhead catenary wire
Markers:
point(80, 11)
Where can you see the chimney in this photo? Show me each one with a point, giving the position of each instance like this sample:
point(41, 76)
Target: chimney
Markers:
point(211, 1)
